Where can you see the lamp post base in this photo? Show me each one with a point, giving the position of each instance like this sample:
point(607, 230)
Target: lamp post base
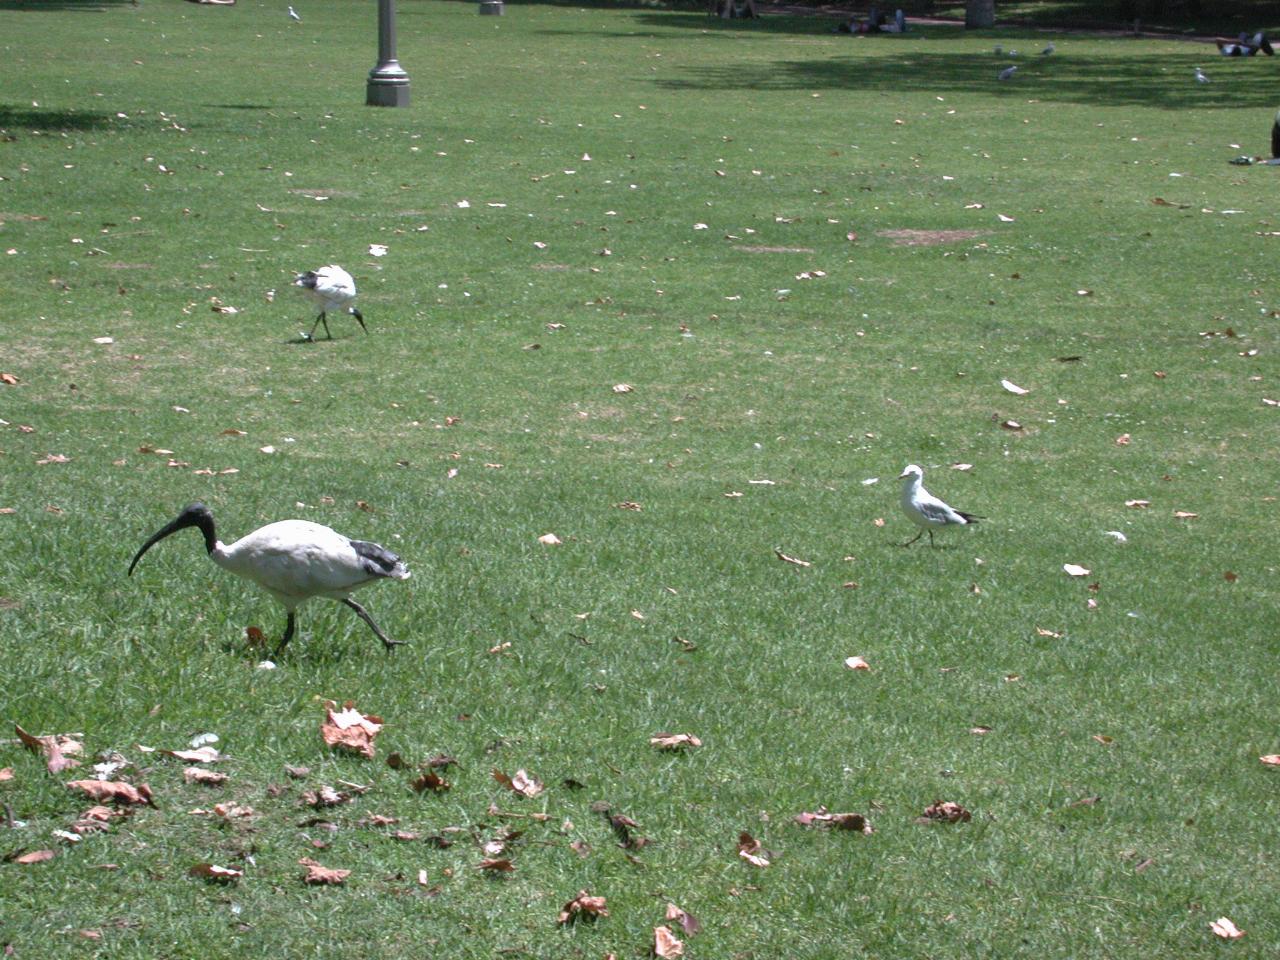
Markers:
point(388, 86)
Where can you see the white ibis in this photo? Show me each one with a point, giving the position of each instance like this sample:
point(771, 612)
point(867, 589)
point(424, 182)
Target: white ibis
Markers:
point(294, 560)
point(925, 509)
point(1200, 77)
point(332, 288)
point(1007, 73)
point(293, 14)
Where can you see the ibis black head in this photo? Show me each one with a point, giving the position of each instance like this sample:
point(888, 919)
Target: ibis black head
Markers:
point(359, 318)
point(195, 515)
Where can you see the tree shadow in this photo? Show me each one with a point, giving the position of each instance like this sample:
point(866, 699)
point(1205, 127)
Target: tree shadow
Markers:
point(36, 118)
point(1149, 80)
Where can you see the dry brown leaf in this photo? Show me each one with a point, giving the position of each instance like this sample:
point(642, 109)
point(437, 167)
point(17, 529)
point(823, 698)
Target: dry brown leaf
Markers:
point(980, 731)
point(583, 905)
point(116, 790)
point(35, 856)
point(215, 873)
point(1041, 632)
point(1123, 440)
point(350, 729)
point(945, 811)
point(856, 663)
point(622, 388)
point(1185, 515)
point(1103, 739)
point(749, 850)
point(665, 944)
point(1137, 504)
point(200, 755)
point(838, 821)
point(496, 865)
point(431, 781)
point(1271, 759)
point(1225, 929)
point(674, 741)
point(792, 560)
point(6, 773)
point(326, 796)
point(318, 875)
point(10, 379)
point(550, 539)
point(55, 747)
point(230, 811)
point(209, 778)
point(688, 922)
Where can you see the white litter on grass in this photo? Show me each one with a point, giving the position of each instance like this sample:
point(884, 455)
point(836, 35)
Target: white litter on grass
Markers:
point(266, 665)
point(1120, 537)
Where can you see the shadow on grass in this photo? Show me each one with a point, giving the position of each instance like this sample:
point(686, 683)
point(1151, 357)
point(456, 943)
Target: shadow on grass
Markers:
point(87, 6)
point(1161, 82)
point(35, 118)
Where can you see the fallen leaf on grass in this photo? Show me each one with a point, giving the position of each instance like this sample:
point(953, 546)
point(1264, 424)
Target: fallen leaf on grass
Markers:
point(550, 539)
point(349, 728)
point(318, 875)
point(980, 731)
point(944, 811)
point(214, 873)
point(1123, 440)
point(1137, 504)
point(792, 560)
point(749, 850)
point(1185, 515)
point(1075, 570)
point(856, 663)
point(116, 790)
point(674, 741)
point(1225, 929)
point(35, 856)
point(837, 821)
point(55, 747)
point(496, 865)
point(1271, 759)
point(1014, 388)
point(1041, 632)
point(9, 379)
point(665, 944)
point(688, 922)
point(326, 796)
point(200, 755)
point(6, 774)
point(522, 783)
point(209, 778)
point(431, 781)
point(583, 905)
point(623, 388)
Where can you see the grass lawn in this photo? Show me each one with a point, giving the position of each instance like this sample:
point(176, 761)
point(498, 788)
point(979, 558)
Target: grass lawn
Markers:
point(813, 258)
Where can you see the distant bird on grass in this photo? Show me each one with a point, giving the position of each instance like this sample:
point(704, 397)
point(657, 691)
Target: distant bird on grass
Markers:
point(1007, 73)
point(1048, 50)
point(926, 510)
point(1200, 77)
point(294, 560)
point(293, 15)
point(332, 288)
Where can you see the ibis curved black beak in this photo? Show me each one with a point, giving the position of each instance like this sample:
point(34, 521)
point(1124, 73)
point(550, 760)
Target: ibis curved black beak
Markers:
point(359, 318)
point(195, 515)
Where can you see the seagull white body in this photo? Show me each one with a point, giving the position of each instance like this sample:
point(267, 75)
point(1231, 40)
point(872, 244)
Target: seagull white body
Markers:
point(926, 510)
point(332, 289)
point(293, 15)
point(1048, 50)
point(1200, 77)
point(294, 560)
point(1007, 73)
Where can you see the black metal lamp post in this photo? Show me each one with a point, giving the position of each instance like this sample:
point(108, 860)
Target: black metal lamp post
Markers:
point(388, 83)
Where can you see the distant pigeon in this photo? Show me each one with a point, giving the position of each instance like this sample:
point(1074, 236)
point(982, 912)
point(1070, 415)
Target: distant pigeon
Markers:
point(1048, 50)
point(293, 15)
point(1007, 73)
point(1200, 77)
point(1013, 53)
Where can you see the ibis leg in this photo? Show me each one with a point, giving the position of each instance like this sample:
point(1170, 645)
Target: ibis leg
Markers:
point(288, 634)
point(917, 537)
point(319, 320)
point(363, 614)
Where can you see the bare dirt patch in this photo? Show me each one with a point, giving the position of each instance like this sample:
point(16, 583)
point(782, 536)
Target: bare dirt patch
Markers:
point(929, 238)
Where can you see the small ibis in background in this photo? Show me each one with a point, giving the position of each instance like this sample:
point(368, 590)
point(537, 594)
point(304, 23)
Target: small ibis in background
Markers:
point(332, 288)
point(926, 510)
point(1048, 49)
point(1200, 77)
point(1007, 73)
point(294, 560)
point(293, 14)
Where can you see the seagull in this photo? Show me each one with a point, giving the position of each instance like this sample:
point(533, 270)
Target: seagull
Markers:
point(925, 509)
point(294, 560)
point(1007, 73)
point(1048, 50)
point(293, 14)
point(331, 288)
point(1200, 77)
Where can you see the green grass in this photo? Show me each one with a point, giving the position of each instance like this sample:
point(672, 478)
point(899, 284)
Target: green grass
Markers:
point(782, 138)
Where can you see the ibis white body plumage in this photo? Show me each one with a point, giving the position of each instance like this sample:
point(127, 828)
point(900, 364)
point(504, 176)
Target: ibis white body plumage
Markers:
point(294, 560)
point(1200, 76)
point(331, 289)
point(293, 15)
point(926, 510)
